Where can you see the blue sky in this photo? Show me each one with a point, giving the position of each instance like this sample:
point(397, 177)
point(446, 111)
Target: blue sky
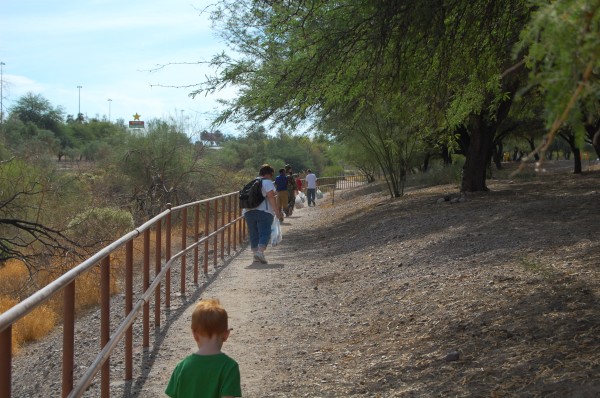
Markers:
point(112, 49)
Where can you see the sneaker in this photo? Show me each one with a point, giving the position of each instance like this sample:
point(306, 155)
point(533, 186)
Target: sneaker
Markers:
point(260, 256)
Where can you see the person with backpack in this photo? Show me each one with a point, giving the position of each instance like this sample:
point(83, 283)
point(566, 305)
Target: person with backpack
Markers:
point(259, 218)
point(281, 183)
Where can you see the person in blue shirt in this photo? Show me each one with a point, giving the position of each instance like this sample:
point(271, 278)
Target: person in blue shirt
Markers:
point(281, 186)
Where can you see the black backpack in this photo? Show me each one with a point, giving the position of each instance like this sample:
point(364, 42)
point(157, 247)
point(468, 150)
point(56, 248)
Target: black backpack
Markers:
point(251, 195)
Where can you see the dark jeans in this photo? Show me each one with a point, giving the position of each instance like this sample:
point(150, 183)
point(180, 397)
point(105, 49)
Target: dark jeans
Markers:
point(259, 227)
point(311, 193)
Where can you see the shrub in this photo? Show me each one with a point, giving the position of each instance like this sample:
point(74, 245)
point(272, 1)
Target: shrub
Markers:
point(98, 225)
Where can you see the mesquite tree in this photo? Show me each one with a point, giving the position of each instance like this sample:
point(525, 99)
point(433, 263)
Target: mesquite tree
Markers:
point(309, 59)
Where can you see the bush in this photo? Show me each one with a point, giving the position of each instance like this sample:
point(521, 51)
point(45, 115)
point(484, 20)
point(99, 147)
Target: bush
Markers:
point(99, 225)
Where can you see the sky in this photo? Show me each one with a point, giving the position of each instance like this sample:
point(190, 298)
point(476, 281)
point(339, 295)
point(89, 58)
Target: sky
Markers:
point(113, 50)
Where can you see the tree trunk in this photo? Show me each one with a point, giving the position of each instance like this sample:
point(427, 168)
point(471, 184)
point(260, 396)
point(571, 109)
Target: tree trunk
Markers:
point(576, 160)
point(532, 148)
point(569, 136)
point(596, 143)
point(477, 158)
point(498, 155)
point(446, 155)
point(425, 167)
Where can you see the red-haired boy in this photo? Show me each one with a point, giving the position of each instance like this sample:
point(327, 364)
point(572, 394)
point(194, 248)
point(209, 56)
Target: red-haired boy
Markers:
point(208, 372)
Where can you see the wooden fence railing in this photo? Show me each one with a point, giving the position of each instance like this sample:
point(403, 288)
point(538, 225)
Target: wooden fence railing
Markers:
point(216, 224)
point(331, 184)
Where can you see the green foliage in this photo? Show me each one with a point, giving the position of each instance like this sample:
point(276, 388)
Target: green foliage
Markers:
point(20, 185)
point(320, 60)
point(161, 166)
point(33, 202)
point(561, 42)
point(248, 153)
point(35, 130)
point(333, 171)
point(37, 110)
point(100, 225)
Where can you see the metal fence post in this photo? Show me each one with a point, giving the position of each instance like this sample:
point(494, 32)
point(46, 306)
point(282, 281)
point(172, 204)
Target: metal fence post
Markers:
point(157, 268)
point(68, 356)
point(183, 246)
point(146, 284)
point(206, 232)
point(105, 323)
point(5, 361)
point(167, 258)
point(229, 228)
point(128, 309)
point(196, 237)
point(216, 237)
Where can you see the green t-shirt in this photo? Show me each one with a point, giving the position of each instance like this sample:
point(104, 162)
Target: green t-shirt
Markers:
point(205, 376)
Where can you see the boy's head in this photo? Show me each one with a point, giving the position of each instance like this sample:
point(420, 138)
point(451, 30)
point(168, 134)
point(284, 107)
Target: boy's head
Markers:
point(281, 171)
point(209, 318)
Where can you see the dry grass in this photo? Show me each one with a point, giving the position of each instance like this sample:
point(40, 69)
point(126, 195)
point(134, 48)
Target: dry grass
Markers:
point(33, 326)
point(14, 276)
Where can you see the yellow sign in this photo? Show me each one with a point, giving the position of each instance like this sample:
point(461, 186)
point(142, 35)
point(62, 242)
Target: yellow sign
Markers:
point(136, 116)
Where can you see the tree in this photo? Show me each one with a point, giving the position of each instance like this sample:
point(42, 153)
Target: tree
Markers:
point(591, 123)
point(162, 167)
point(306, 60)
point(385, 131)
point(575, 144)
point(36, 109)
point(34, 121)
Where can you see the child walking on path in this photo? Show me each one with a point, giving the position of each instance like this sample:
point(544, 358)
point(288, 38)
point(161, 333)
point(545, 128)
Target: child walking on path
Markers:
point(209, 372)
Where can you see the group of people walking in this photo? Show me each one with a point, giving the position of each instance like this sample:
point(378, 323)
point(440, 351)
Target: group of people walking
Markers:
point(280, 198)
point(289, 186)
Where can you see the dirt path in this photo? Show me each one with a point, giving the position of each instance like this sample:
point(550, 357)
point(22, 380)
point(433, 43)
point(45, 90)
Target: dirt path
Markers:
point(493, 296)
point(246, 290)
point(496, 295)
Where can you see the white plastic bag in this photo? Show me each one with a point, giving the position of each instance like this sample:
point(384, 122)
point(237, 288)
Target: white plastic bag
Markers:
point(319, 194)
point(276, 235)
point(302, 197)
point(300, 200)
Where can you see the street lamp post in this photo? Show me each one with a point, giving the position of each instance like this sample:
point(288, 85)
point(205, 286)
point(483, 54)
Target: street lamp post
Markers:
point(182, 123)
point(109, 101)
point(79, 108)
point(1, 94)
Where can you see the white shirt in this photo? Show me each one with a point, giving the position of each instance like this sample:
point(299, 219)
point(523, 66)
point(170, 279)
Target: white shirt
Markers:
point(267, 186)
point(311, 181)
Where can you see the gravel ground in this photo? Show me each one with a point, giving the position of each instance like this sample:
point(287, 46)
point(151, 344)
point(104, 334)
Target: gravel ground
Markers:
point(490, 294)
